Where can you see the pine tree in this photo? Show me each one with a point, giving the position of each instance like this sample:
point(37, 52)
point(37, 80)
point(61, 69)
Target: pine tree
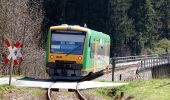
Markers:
point(145, 24)
point(163, 11)
point(121, 25)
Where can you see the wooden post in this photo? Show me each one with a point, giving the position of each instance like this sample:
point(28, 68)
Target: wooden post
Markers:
point(113, 67)
point(120, 77)
point(121, 94)
point(10, 72)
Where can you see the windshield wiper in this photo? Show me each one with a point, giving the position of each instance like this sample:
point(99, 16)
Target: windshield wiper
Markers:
point(73, 50)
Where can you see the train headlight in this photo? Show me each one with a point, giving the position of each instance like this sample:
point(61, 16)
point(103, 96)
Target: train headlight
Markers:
point(51, 56)
point(79, 58)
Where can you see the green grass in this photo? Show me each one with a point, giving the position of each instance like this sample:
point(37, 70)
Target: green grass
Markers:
point(66, 93)
point(35, 91)
point(20, 76)
point(155, 89)
point(6, 89)
point(104, 92)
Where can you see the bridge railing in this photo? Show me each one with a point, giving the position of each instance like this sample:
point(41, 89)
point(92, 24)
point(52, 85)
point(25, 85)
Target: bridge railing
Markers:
point(141, 62)
point(151, 62)
point(144, 60)
point(133, 58)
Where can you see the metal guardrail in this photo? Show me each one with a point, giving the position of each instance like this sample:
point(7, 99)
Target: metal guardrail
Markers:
point(141, 62)
point(133, 58)
point(144, 60)
point(151, 62)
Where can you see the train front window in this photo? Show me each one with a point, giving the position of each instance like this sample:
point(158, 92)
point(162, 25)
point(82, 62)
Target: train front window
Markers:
point(67, 42)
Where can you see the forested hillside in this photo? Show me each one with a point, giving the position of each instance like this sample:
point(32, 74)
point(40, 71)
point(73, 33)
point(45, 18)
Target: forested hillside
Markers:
point(135, 26)
point(21, 20)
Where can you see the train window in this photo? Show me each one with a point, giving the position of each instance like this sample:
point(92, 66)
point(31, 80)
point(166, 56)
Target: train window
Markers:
point(89, 41)
point(67, 42)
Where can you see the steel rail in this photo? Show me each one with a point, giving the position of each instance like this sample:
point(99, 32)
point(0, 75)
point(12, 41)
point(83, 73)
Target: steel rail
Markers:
point(49, 92)
point(80, 96)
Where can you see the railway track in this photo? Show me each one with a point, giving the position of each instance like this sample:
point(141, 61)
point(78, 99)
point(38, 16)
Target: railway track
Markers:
point(76, 91)
point(93, 76)
point(89, 77)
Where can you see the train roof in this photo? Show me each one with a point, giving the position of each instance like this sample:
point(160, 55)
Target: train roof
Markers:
point(79, 28)
point(72, 27)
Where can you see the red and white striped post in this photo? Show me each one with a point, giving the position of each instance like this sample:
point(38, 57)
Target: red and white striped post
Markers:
point(17, 48)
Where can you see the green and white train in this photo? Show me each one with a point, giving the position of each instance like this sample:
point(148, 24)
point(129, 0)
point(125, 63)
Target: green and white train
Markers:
point(74, 51)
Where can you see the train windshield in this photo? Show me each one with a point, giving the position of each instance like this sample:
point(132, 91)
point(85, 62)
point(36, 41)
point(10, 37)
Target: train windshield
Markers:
point(67, 42)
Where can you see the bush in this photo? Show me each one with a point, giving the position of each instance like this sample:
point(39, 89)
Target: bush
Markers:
point(161, 47)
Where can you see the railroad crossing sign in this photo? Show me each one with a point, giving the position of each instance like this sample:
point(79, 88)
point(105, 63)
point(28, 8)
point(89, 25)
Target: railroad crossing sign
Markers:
point(14, 52)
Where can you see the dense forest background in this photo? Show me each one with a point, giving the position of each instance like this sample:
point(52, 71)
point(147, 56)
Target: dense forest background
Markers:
point(135, 26)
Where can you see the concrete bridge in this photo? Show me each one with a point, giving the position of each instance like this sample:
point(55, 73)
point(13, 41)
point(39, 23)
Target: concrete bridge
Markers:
point(140, 67)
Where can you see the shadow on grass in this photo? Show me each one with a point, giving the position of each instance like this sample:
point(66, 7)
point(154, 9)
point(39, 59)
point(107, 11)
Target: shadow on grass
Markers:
point(120, 95)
